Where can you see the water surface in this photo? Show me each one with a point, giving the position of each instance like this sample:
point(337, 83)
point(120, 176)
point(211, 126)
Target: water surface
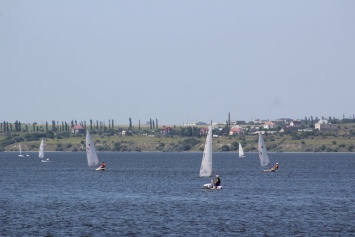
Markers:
point(159, 194)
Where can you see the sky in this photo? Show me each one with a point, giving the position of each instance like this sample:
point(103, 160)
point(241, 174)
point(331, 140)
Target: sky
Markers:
point(176, 61)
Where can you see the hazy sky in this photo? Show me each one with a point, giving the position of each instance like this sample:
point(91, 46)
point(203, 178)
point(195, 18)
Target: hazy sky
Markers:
point(176, 61)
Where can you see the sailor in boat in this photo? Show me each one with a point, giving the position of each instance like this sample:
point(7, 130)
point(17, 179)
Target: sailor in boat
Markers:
point(275, 167)
point(217, 182)
point(103, 165)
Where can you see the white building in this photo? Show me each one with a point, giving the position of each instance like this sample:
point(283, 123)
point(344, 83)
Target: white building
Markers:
point(324, 124)
point(269, 125)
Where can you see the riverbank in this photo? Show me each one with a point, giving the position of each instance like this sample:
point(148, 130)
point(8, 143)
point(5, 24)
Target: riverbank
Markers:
point(274, 143)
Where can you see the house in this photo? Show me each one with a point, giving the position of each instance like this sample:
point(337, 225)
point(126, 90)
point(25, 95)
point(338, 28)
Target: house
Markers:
point(259, 121)
point(269, 125)
point(324, 124)
point(235, 130)
point(77, 129)
point(167, 130)
point(295, 124)
point(204, 131)
point(282, 121)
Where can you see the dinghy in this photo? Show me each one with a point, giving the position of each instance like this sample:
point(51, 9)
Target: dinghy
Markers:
point(20, 148)
point(91, 154)
point(206, 164)
point(263, 156)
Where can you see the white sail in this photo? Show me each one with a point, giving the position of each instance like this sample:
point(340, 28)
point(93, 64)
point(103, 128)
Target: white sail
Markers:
point(90, 151)
point(41, 150)
point(263, 156)
point(206, 165)
point(19, 146)
point(241, 152)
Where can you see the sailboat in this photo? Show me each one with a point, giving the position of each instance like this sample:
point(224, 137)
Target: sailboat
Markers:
point(21, 155)
point(206, 164)
point(263, 156)
point(91, 154)
point(241, 152)
point(41, 152)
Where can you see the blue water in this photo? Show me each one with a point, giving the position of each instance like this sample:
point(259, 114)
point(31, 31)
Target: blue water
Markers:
point(159, 194)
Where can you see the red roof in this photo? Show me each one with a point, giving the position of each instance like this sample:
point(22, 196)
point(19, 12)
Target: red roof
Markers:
point(78, 127)
point(168, 129)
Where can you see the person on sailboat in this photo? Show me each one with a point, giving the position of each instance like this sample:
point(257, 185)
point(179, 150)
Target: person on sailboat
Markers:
point(276, 166)
point(218, 181)
point(103, 165)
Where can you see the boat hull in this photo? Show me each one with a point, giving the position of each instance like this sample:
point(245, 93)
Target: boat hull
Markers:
point(269, 170)
point(210, 186)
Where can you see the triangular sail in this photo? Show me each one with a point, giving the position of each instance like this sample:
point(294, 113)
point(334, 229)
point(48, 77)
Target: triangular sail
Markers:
point(241, 152)
point(263, 156)
point(41, 150)
point(91, 151)
point(206, 164)
point(19, 146)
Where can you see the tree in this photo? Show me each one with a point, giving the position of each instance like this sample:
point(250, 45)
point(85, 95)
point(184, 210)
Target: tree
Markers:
point(189, 131)
point(182, 132)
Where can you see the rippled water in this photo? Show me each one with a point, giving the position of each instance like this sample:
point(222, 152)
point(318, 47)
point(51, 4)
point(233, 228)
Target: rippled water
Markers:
point(159, 194)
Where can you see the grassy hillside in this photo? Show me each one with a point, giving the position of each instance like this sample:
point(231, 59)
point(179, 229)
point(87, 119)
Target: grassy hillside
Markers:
point(340, 141)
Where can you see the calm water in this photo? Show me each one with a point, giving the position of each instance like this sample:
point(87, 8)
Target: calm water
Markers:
point(159, 194)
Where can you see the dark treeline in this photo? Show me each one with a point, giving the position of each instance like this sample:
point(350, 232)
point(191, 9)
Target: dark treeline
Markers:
point(56, 129)
point(150, 127)
point(56, 126)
